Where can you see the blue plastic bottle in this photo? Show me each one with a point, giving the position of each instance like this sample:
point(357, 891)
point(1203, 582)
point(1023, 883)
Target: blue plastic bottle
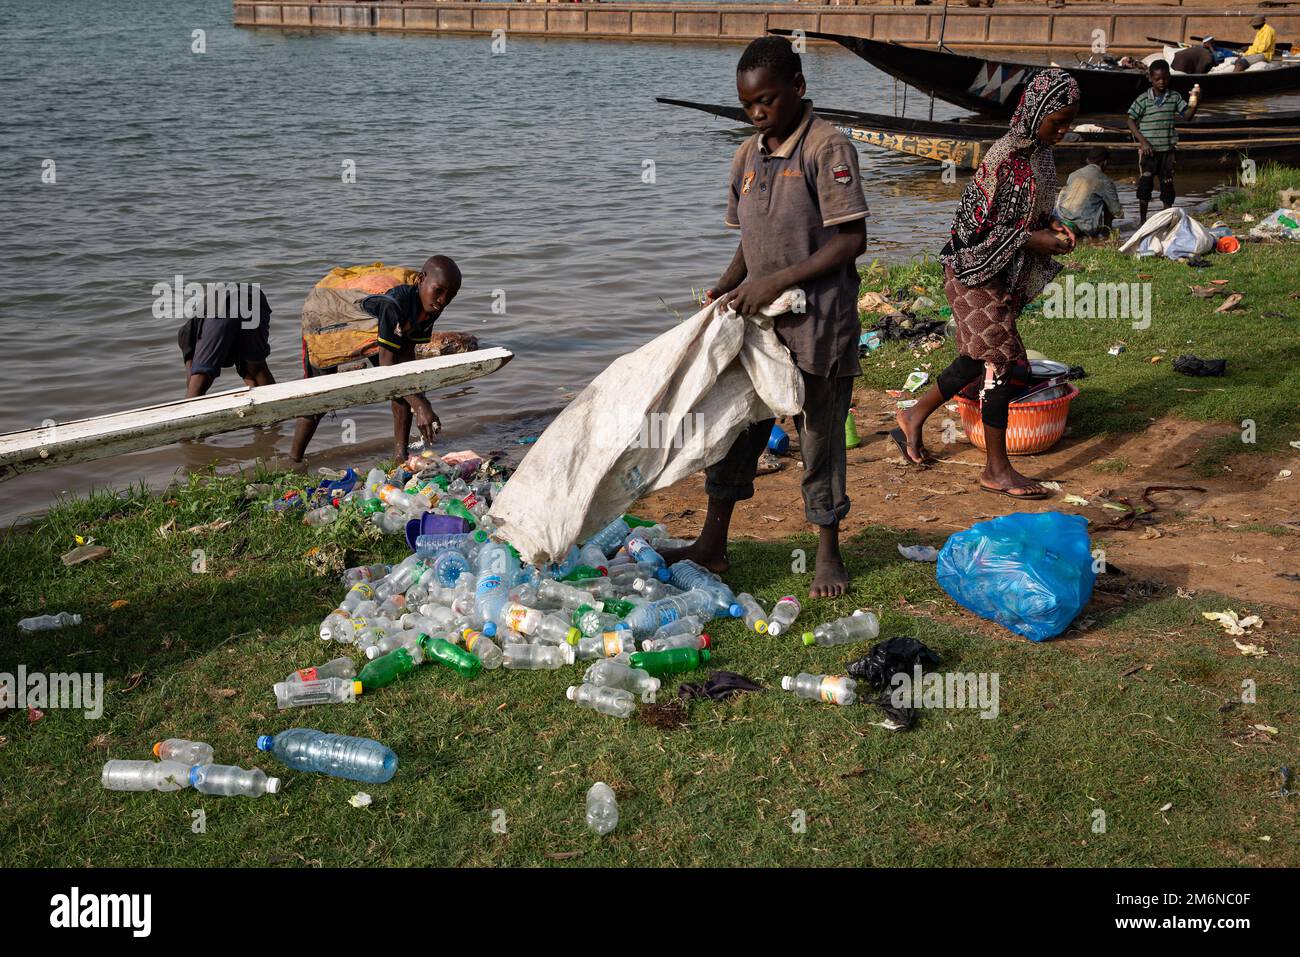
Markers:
point(338, 755)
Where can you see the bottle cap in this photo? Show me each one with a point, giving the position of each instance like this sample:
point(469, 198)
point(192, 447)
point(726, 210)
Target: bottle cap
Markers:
point(356, 687)
point(490, 629)
point(573, 636)
point(272, 785)
point(705, 654)
point(735, 611)
point(705, 641)
point(809, 638)
point(760, 626)
point(569, 655)
point(572, 693)
point(786, 682)
point(157, 749)
point(773, 628)
point(194, 775)
point(265, 742)
point(663, 574)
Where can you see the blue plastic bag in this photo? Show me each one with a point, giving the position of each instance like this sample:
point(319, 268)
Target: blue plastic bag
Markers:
point(1030, 572)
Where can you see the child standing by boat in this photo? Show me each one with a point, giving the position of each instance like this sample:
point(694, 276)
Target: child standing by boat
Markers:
point(796, 197)
point(1151, 121)
point(997, 259)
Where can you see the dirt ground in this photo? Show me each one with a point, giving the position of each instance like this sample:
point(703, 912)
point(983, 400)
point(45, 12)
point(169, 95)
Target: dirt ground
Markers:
point(1238, 537)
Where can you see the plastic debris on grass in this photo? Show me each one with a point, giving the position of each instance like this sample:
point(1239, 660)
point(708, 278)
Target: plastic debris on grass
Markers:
point(360, 799)
point(919, 553)
point(1232, 623)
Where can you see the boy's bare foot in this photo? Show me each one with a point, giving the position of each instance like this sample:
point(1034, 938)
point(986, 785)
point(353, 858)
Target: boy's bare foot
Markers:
point(1012, 484)
point(716, 562)
point(915, 449)
point(830, 580)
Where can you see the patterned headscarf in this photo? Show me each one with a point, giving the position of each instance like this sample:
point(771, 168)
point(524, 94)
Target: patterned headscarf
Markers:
point(1009, 196)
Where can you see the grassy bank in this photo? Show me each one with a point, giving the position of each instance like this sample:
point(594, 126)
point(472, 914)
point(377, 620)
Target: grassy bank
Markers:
point(194, 654)
point(1125, 393)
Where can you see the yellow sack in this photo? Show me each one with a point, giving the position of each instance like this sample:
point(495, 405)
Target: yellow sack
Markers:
point(335, 328)
point(374, 278)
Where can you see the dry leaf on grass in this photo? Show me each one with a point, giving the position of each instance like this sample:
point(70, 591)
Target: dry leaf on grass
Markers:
point(1231, 303)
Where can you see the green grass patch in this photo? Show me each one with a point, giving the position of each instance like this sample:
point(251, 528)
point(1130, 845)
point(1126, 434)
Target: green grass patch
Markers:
point(194, 653)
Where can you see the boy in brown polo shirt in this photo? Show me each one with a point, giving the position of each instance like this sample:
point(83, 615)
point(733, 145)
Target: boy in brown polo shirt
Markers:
point(796, 198)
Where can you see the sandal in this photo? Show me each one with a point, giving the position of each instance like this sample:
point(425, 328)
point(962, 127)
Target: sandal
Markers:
point(1012, 492)
point(901, 441)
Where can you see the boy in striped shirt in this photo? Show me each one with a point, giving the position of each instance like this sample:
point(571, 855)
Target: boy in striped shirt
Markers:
point(1151, 121)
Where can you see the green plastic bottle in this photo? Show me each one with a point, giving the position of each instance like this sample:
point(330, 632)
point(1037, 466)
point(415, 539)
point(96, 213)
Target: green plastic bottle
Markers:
point(617, 606)
point(441, 481)
point(457, 508)
point(580, 573)
point(453, 656)
point(660, 663)
point(385, 669)
point(634, 522)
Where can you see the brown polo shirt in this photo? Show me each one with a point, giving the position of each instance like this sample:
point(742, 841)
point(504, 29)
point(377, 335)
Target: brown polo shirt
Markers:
point(787, 205)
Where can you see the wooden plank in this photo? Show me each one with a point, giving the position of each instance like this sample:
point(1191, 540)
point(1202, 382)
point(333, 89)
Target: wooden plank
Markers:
point(132, 430)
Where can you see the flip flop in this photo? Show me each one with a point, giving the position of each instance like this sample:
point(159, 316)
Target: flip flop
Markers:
point(1010, 493)
point(901, 441)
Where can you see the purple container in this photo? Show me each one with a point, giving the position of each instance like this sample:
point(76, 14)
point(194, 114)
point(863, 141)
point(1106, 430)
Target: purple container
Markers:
point(431, 523)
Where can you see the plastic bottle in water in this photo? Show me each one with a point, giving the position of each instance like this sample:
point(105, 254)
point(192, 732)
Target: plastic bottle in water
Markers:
point(365, 573)
point(385, 670)
point(454, 657)
point(605, 645)
point(590, 622)
point(448, 565)
point(784, 613)
point(49, 622)
point(145, 775)
point(602, 809)
point(482, 647)
point(521, 657)
point(754, 616)
point(833, 689)
point(186, 752)
point(859, 626)
point(321, 516)
point(566, 596)
point(643, 551)
point(610, 538)
point(672, 661)
point(652, 589)
point(300, 694)
point(677, 641)
point(608, 673)
point(611, 701)
point(226, 780)
point(338, 755)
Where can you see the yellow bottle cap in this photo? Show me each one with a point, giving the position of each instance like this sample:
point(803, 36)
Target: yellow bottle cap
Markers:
point(356, 687)
point(157, 749)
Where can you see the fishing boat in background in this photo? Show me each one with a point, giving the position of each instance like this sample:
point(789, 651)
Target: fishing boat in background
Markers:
point(1207, 144)
point(992, 86)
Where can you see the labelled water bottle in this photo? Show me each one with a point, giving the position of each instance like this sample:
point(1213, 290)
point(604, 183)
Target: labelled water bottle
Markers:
point(642, 551)
point(361, 591)
point(186, 752)
point(145, 775)
point(521, 657)
point(482, 647)
point(608, 673)
point(605, 645)
point(859, 626)
point(300, 694)
point(784, 613)
point(338, 755)
point(225, 779)
point(614, 702)
point(602, 808)
point(754, 616)
point(832, 689)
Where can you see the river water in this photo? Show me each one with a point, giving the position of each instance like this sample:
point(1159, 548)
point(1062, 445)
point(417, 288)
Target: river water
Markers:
point(529, 168)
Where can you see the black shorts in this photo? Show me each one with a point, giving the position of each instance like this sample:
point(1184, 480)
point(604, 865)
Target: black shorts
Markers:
point(1161, 166)
point(210, 345)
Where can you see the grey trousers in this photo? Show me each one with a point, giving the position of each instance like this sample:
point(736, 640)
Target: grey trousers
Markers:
point(821, 443)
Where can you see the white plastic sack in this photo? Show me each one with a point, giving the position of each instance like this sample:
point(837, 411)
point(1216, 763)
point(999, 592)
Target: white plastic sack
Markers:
point(672, 407)
point(1171, 233)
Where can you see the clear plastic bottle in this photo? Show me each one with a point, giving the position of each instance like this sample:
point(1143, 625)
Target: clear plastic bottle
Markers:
point(49, 622)
point(430, 618)
point(226, 779)
point(653, 589)
point(536, 657)
point(566, 596)
point(361, 591)
point(833, 689)
point(646, 619)
point(448, 565)
point(483, 648)
point(689, 625)
point(338, 626)
point(688, 575)
point(592, 556)
point(426, 546)
point(338, 755)
point(610, 538)
point(602, 808)
point(300, 694)
point(754, 616)
point(145, 775)
point(859, 626)
point(677, 641)
point(609, 673)
point(625, 576)
point(784, 613)
point(342, 667)
point(642, 551)
point(186, 752)
point(611, 701)
point(606, 645)
point(321, 516)
point(365, 573)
